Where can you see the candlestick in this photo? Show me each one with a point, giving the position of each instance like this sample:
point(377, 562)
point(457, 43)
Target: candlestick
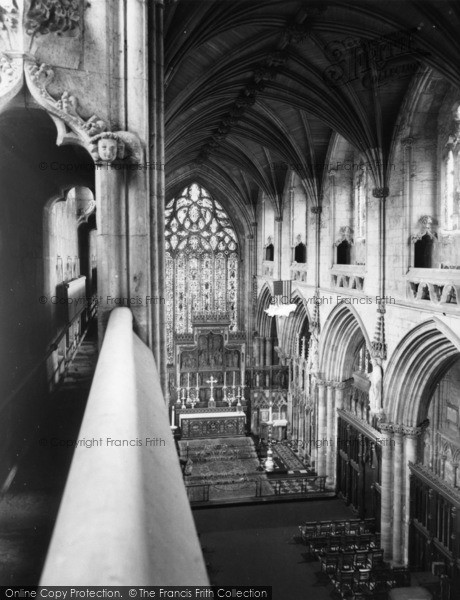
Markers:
point(188, 387)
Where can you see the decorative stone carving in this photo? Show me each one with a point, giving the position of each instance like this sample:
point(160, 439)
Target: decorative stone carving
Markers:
point(254, 295)
point(107, 147)
point(9, 15)
point(72, 127)
point(375, 391)
point(345, 234)
point(53, 16)
point(407, 142)
point(427, 224)
point(11, 78)
point(23, 20)
point(378, 345)
point(380, 192)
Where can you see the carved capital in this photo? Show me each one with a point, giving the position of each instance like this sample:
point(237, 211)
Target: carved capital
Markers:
point(407, 142)
point(316, 210)
point(398, 430)
point(386, 427)
point(341, 385)
point(380, 192)
point(412, 432)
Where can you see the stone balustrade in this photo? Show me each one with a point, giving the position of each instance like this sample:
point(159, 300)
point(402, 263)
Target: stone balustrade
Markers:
point(436, 286)
point(348, 276)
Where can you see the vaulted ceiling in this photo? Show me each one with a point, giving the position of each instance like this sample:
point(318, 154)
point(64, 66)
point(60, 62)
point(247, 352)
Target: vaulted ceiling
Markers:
point(255, 87)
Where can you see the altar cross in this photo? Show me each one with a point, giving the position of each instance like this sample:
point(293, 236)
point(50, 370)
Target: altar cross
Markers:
point(212, 381)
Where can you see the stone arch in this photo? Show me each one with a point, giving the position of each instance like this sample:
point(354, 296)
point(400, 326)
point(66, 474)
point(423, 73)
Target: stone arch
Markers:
point(263, 321)
point(294, 323)
point(342, 335)
point(422, 357)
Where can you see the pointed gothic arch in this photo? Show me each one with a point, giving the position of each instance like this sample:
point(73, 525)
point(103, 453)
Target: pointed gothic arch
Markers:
point(343, 335)
point(423, 356)
point(263, 321)
point(296, 321)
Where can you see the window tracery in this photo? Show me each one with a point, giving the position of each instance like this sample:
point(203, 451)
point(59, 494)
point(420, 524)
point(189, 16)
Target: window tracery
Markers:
point(201, 261)
point(452, 189)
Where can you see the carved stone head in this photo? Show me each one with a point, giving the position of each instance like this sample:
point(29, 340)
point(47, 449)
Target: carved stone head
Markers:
point(107, 149)
point(121, 148)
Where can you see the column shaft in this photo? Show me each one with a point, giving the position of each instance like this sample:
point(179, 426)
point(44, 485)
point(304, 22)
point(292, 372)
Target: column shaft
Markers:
point(157, 185)
point(398, 490)
point(322, 430)
point(330, 445)
point(261, 350)
point(386, 510)
point(268, 352)
point(411, 456)
point(255, 346)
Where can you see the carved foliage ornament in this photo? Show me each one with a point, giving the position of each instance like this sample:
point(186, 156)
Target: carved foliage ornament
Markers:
point(427, 224)
point(40, 17)
point(345, 233)
point(72, 127)
point(53, 16)
point(11, 77)
point(9, 15)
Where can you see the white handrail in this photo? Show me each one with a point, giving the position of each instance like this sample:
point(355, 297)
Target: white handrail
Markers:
point(124, 517)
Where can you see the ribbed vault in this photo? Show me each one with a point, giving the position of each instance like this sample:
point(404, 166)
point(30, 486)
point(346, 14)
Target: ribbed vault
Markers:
point(252, 85)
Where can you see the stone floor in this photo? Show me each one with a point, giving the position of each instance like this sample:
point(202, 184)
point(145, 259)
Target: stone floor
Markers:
point(29, 509)
point(255, 545)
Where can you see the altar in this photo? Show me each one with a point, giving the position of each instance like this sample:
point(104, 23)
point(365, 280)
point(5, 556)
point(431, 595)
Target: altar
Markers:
point(212, 424)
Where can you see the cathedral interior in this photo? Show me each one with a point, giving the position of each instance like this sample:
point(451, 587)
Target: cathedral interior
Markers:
point(230, 295)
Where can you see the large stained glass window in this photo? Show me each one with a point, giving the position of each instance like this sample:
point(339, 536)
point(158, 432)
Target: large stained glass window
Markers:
point(201, 261)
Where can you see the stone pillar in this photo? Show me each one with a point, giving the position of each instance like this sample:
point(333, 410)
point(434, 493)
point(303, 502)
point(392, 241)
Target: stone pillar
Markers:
point(339, 393)
point(255, 350)
point(135, 109)
point(278, 248)
point(322, 429)
point(331, 447)
point(398, 492)
point(112, 279)
point(156, 158)
point(386, 511)
point(268, 352)
point(261, 350)
point(410, 444)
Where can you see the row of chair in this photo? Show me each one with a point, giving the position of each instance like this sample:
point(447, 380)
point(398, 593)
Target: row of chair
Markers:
point(341, 527)
point(332, 562)
point(322, 544)
point(370, 583)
